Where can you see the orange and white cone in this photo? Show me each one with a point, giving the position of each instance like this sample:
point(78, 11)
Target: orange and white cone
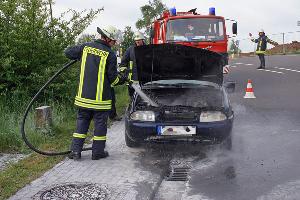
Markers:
point(249, 91)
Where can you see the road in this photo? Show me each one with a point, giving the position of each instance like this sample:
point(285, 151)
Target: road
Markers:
point(264, 163)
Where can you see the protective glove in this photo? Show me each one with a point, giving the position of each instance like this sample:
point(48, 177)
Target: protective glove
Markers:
point(123, 77)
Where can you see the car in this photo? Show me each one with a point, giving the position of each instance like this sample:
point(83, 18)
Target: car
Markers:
point(191, 100)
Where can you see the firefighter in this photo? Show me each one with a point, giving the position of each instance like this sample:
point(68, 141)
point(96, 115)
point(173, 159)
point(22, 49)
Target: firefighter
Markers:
point(262, 46)
point(94, 99)
point(128, 60)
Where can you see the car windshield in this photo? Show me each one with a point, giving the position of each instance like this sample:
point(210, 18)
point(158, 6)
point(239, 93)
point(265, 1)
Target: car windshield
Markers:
point(195, 29)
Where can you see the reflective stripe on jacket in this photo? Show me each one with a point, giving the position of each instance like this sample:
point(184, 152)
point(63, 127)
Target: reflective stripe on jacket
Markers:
point(97, 75)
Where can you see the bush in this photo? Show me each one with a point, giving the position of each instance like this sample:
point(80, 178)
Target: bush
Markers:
point(32, 42)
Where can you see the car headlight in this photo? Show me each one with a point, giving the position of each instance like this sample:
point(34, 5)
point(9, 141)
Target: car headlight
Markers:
point(143, 116)
point(212, 116)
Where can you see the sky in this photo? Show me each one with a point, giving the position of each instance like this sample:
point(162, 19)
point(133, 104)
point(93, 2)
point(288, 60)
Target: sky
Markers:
point(273, 16)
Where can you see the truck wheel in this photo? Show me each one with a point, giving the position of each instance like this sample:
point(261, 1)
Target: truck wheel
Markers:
point(227, 143)
point(129, 142)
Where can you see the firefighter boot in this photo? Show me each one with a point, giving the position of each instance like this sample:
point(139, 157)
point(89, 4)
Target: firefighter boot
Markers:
point(76, 148)
point(98, 156)
point(74, 155)
point(98, 150)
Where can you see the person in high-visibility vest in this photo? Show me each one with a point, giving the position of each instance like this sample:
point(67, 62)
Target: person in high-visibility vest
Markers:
point(128, 60)
point(262, 46)
point(94, 99)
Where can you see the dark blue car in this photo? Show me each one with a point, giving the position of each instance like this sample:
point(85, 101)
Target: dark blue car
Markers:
point(186, 83)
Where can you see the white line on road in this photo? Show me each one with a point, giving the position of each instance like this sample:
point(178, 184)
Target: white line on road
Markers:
point(233, 66)
point(266, 70)
point(243, 64)
point(293, 55)
point(287, 69)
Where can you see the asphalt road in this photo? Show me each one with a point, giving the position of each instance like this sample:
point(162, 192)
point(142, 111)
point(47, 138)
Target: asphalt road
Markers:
point(264, 163)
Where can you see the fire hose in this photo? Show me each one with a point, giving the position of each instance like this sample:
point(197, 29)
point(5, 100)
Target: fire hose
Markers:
point(29, 106)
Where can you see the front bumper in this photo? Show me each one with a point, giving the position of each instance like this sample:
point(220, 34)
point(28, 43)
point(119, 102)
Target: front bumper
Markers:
point(210, 132)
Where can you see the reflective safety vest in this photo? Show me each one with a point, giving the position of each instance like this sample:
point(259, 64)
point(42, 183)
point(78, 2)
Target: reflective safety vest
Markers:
point(262, 44)
point(98, 74)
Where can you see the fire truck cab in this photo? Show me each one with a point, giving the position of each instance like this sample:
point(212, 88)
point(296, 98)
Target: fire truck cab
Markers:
point(192, 29)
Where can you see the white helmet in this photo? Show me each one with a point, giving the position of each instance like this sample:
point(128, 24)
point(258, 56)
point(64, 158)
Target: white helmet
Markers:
point(110, 32)
point(138, 36)
point(261, 31)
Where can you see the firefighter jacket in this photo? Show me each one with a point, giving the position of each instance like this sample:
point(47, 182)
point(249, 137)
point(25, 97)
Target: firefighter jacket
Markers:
point(262, 44)
point(97, 75)
point(128, 63)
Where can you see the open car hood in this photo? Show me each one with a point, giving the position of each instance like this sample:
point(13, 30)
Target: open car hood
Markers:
point(175, 61)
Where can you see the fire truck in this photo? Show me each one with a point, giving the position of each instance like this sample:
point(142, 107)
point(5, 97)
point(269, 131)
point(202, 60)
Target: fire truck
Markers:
point(193, 29)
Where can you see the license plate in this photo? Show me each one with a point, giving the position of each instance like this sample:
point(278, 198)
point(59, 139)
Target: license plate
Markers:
point(176, 130)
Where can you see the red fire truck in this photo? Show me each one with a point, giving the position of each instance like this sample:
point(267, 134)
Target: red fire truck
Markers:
point(192, 29)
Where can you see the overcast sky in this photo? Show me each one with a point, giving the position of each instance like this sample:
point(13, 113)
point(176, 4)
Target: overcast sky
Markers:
point(274, 16)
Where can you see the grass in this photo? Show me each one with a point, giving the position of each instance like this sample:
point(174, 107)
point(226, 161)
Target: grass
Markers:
point(18, 175)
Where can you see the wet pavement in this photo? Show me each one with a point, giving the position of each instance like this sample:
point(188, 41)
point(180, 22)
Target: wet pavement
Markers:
point(264, 163)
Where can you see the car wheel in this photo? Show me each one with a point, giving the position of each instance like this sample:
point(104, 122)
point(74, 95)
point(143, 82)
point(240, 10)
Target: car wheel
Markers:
point(227, 143)
point(129, 142)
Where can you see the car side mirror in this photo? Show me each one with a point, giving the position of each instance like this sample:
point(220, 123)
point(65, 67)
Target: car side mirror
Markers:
point(230, 86)
point(234, 28)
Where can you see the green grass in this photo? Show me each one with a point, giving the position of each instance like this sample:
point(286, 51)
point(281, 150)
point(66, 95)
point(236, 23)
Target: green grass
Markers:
point(10, 118)
point(122, 99)
point(18, 175)
point(12, 109)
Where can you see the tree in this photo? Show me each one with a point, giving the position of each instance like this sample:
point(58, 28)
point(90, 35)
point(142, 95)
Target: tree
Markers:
point(128, 38)
point(234, 47)
point(150, 12)
point(32, 42)
point(86, 38)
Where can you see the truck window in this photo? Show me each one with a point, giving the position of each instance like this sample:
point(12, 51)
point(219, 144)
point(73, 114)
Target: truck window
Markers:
point(195, 29)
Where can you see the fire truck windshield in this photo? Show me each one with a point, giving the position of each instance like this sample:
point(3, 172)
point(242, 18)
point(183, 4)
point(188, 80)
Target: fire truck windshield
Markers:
point(195, 29)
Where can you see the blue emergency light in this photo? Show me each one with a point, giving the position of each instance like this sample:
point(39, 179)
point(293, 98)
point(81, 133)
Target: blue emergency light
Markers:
point(212, 11)
point(173, 11)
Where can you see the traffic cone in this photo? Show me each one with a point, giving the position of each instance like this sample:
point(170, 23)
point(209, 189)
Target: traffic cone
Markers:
point(249, 91)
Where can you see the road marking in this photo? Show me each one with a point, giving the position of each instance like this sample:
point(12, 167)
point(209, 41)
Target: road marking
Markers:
point(293, 55)
point(294, 130)
point(287, 69)
point(233, 66)
point(266, 70)
point(243, 64)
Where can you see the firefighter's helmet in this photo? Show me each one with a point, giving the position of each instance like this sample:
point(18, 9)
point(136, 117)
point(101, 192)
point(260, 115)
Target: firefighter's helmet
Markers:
point(138, 36)
point(110, 32)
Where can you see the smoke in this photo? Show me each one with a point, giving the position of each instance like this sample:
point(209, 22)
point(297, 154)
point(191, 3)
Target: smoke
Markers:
point(200, 97)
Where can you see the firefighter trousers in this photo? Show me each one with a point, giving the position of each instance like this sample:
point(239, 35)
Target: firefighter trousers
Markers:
point(84, 118)
point(262, 60)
